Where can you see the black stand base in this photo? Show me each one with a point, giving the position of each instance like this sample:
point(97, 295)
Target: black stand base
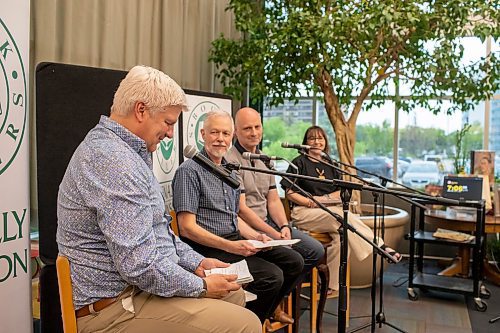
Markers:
point(380, 320)
point(492, 320)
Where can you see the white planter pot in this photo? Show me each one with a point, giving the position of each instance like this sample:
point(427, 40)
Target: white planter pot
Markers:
point(395, 220)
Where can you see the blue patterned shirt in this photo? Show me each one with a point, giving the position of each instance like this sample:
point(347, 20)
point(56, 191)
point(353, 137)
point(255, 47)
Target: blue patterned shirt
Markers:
point(198, 191)
point(112, 223)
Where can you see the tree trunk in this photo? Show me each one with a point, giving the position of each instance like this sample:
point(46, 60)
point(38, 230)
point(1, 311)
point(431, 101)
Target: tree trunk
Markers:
point(345, 137)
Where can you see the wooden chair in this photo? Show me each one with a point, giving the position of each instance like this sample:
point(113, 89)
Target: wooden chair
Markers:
point(174, 225)
point(66, 295)
point(286, 304)
point(320, 273)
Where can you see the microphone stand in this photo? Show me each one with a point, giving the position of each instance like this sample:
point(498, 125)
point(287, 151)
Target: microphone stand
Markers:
point(380, 317)
point(346, 190)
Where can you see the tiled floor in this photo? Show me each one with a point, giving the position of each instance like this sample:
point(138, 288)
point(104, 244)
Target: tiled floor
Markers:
point(438, 312)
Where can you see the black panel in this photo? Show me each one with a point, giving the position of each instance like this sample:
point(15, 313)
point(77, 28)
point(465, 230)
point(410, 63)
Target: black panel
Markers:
point(50, 307)
point(69, 102)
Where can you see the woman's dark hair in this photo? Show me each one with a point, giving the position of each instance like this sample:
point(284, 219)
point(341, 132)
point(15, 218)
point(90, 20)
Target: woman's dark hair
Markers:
point(317, 130)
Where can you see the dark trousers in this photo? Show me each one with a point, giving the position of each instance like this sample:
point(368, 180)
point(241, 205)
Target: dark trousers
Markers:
point(275, 273)
point(309, 248)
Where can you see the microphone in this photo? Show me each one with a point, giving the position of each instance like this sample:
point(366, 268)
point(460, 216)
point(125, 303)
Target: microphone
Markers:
point(295, 146)
point(326, 156)
point(219, 171)
point(263, 157)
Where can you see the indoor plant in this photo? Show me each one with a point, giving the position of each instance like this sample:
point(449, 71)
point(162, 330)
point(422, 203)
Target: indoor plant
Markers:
point(357, 53)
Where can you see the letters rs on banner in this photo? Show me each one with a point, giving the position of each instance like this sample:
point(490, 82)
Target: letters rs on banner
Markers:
point(15, 277)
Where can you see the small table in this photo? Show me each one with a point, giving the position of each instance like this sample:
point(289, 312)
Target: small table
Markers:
point(460, 266)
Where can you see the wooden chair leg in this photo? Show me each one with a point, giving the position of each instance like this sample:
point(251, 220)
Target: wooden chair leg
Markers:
point(289, 310)
point(324, 275)
point(296, 307)
point(314, 298)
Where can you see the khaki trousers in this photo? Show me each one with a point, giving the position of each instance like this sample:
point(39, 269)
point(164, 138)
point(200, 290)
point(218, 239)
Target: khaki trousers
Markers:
point(317, 220)
point(154, 314)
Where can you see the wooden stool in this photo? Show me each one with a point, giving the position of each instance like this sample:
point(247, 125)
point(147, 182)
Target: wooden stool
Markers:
point(321, 271)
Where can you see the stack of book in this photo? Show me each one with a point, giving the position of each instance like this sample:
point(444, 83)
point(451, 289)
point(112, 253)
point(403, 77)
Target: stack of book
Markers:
point(453, 235)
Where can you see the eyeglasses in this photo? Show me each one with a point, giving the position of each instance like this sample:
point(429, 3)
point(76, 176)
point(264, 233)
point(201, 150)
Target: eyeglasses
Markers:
point(314, 138)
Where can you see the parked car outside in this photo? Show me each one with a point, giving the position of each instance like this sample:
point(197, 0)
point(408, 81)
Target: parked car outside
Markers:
point(421, 173)
point(438, 159)
point(402, 167)
point(378, 165)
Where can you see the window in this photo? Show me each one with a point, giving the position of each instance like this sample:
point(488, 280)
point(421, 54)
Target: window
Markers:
point(422, 135)
point(286, 123)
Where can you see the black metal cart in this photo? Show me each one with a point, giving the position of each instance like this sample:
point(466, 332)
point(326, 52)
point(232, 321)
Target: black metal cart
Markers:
point(419, 279)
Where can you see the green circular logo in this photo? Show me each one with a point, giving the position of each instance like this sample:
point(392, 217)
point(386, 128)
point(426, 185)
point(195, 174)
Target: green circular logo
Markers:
point(13, 98)
point(166, 156)
point(195, 123)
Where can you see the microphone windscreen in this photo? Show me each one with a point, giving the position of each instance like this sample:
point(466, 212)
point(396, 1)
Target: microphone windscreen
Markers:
point(190, 151)
point(284, 144)
point(246, 155)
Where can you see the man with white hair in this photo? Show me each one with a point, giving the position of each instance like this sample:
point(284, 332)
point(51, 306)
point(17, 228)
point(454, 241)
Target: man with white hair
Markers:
point(129, 271)
point(207, 211)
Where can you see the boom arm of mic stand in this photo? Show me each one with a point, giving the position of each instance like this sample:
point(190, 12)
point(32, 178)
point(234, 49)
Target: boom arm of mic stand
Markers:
point(382, 178)
point(360, 187)
point(364, 180)
point(344, 184)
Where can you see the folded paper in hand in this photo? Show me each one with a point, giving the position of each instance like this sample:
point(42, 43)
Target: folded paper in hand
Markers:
point(239, 268)
point(453, 235)
point(249, 296)
point(275, 242)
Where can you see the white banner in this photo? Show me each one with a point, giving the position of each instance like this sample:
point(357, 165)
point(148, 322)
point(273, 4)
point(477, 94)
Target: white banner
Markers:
point(15, 274)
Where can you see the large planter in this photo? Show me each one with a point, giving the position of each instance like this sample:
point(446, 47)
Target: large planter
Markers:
point(394, 220)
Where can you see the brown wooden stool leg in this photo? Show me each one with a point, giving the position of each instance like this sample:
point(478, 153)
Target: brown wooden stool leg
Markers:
point(324, 277)
point(296, 307)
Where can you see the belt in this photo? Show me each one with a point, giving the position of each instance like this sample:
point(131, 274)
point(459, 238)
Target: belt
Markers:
point(95, 307)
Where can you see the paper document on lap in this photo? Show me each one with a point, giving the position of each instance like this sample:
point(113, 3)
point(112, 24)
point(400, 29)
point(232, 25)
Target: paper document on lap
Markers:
point(239, 268)
point(276, 242)
point(249, 296)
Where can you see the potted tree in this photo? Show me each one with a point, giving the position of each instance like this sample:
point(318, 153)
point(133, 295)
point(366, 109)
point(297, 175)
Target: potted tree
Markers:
point(355, 54)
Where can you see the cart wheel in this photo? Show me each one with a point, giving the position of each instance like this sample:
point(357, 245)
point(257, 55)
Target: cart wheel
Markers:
point(412, 294)
point(485, 292)
point(481, 305)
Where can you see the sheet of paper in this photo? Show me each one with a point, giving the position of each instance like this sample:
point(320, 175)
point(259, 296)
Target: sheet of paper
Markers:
point(249, 296)
point(274, 242)
point(239, 268)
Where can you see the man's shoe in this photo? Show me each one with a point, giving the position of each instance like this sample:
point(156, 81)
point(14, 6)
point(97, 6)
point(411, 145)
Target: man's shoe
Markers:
point(268, 326)
point(282, 317)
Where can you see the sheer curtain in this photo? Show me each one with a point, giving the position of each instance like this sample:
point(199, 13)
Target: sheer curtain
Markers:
point(171, 35)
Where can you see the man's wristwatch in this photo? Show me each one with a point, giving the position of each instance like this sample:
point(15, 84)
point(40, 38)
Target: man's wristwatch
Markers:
point(286, 226)
point(204, 291)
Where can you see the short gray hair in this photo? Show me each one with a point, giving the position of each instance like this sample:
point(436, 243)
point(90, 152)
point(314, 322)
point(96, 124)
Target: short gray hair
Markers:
point(150, 86)
point(217, 113)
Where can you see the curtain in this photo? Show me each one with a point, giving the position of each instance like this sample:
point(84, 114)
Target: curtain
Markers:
point(171, 35)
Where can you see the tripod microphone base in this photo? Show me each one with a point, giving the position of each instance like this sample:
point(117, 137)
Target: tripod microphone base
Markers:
point(380, 320)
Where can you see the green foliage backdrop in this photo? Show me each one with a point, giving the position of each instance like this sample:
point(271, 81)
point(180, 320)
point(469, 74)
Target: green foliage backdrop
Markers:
point(357, 49)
